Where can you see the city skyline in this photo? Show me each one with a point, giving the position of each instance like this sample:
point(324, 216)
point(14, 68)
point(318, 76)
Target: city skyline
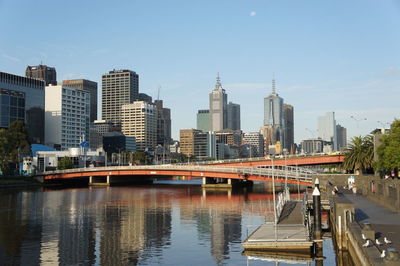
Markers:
point(348, 64)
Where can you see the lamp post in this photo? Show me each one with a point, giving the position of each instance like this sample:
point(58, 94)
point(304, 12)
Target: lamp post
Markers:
point(286, 167)
point(358, 120)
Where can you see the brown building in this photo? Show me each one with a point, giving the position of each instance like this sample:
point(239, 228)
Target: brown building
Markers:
point(193, 142)
point(89, 86)
point(42, 72)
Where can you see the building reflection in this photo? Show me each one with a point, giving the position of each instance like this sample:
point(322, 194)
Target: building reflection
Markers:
point(119, 225)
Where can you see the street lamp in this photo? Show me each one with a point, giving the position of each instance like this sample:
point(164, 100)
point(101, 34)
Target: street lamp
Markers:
point(358, 120)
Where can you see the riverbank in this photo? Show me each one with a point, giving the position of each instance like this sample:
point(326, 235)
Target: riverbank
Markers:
point(18, 181)
point(355, 214)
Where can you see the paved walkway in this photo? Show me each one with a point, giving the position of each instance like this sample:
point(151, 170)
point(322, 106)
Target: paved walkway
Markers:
point(385, 222)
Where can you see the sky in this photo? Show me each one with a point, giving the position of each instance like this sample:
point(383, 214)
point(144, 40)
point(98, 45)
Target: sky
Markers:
point(341, 56)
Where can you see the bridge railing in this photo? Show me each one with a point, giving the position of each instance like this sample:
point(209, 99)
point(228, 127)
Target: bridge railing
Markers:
point(266, 172)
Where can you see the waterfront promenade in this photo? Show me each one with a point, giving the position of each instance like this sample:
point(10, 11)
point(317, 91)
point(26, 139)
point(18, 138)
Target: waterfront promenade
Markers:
point(382, 221)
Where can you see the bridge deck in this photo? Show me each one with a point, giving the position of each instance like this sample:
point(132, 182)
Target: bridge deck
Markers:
point(248, 173)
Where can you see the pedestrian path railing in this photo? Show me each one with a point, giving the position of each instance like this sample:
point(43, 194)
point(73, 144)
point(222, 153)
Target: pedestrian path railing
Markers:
point(289, 174)
point(283, 197)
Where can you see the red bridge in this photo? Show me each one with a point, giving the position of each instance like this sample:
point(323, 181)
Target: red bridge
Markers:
point(209, 174)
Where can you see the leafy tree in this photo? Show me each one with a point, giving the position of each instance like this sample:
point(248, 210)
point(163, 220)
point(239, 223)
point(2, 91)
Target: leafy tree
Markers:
point(65, 163)
point(389, 150)
point(14, 144)
point(359, 154)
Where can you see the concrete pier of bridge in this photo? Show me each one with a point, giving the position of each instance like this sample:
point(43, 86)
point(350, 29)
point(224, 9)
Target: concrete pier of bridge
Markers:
point(210, 182)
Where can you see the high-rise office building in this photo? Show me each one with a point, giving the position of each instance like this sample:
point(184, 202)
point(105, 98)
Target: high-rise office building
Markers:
point(273, 114)
point(233, 114)
point(218, 107)
point(23, 99)
point(163, 124)
point(288, 114)
point(327, 128)
point(119, 87)
point(139, 120)
point(255, 143)
point(341, 135)
point(42, 72)
point(67, 113)
point(89, 86)
point(194, 142)
point(203, 120)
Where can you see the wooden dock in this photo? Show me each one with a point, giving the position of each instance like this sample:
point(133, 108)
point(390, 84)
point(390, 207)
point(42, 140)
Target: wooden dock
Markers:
point(289, 234)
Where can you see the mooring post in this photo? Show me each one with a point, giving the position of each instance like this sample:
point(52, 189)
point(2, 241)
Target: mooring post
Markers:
point(317, 213)
point(316, 182)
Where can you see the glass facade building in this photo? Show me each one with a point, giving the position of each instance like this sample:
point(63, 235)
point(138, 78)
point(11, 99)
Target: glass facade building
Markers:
point(23, 99)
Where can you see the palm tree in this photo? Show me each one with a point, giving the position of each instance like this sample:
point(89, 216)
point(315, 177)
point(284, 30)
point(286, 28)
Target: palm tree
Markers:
point(359, 154)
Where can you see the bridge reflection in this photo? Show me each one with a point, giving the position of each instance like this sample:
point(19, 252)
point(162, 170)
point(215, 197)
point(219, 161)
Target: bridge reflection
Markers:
point(124, 225)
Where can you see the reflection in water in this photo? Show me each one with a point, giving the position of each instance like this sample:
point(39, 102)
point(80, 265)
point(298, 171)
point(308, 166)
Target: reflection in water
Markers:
point(129, 225)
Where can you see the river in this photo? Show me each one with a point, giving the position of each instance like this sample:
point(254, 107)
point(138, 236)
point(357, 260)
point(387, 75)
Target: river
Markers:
point(171, 223)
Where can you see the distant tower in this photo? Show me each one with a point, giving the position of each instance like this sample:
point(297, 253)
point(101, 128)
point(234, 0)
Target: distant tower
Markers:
point(42, 72)
point(273, 114)
point(288, 112)
point(327, 128)
point(218, 107)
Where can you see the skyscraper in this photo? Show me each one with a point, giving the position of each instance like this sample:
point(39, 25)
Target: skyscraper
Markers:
point(42, 72)
point(341, 135)
point(163, 124)
point(119, 87)
point(273, 114)
point(89, 86)
point(233, 116)
point(139, 120)
point(288, 114)
point(327, 128)
point(218, 107)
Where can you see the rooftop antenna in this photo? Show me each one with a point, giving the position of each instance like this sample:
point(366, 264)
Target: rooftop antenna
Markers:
point(158, 93)
point(218, 81)
point(273, 84)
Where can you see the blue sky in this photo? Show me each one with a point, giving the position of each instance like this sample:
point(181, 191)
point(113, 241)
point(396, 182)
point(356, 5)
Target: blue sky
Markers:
point(340, 56)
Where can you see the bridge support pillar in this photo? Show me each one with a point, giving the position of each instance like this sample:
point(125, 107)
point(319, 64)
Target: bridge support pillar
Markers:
point(99, 180)
point(211, 182)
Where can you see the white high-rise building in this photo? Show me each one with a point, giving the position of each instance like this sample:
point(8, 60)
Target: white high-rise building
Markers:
point(139, 120)
point(67, 116)
point(218, 108)
point(327, 128)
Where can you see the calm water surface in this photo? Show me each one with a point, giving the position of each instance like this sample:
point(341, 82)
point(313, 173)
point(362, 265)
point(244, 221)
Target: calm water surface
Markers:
point(164, 224)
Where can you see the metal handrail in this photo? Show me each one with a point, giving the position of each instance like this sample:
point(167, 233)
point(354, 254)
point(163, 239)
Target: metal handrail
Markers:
point(266, 172)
